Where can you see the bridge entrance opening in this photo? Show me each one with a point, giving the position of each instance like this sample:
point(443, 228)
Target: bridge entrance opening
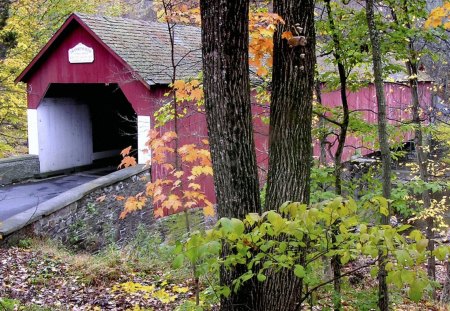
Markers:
point(83, 124)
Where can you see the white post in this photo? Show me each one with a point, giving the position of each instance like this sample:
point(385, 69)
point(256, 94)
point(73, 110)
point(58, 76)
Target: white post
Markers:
point(33, 141)
point(143, 124)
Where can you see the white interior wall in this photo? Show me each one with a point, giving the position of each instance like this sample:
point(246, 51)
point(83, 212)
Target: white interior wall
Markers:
point(64, 134)
point(33, 143)
point(143, 126)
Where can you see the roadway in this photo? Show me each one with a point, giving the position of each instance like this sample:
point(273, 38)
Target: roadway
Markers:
point(21, 197)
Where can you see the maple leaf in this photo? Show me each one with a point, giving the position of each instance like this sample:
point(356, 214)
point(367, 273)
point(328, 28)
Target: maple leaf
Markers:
point(197, 94)
point(173, 202)
point(178, 174)
point(179, 84)
point(208, 210)
point(159, 212)
point(167, 166)
point(159, 198)
point(262, 71)
point(195, 83)
point(194, 186)
point(199, 170)
point(169, 136)
point(190, 204)
point(119, 198)
point(127, 161)
point(125, 151)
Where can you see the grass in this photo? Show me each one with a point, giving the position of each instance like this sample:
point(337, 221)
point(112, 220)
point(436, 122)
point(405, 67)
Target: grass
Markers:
point(13, 305)
point(146, 254)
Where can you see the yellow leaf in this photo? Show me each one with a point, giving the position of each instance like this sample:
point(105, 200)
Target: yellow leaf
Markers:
point(199, 170)
point(194, 186)
point(208, 210)
point(178, 174)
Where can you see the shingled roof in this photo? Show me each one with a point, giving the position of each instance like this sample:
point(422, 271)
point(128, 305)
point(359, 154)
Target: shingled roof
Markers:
point(145, 46)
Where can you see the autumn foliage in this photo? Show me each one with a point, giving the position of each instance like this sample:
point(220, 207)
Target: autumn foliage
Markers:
point(180, 189)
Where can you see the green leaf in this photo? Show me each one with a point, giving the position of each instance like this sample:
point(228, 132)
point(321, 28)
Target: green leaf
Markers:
point(422, 245)
point(252, 218)
point(299, 271)
point(416, 291)
point(261, 277)
point(415, 235)
point(237, 226)
point(178, 261)
point(407, 276)
point(403, 228)
point(374, 272)
point(384, 210)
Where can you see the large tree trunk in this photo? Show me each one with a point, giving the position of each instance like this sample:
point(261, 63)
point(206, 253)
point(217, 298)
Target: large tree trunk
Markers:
point(383, 294)
point(228, 113)
point(290, 152)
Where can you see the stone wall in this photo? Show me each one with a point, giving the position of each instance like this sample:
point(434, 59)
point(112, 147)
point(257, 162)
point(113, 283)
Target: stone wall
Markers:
point(86, 217)
point(18, 168)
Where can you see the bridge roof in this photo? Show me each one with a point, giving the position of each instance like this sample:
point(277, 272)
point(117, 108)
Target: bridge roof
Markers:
point(145, 47)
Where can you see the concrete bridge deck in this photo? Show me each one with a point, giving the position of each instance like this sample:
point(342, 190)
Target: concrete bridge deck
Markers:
point(17, 198)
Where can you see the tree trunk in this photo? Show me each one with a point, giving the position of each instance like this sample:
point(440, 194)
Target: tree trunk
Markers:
point(342, 137)
point(383, 293)
point(420, 146)
point(422, 159)
point(445, 296)
point(290, 152)
point(228, 114)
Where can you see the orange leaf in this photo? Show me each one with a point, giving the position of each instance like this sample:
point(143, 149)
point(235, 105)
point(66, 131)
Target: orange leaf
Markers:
point(127, 161)
point(159, 212)
point(197, 94)
point(119, 198)
point(125, 151)
point(286, 35)
point(179, 84)
point(190, 204)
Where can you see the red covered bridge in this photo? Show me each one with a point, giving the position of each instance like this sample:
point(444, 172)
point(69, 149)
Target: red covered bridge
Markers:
point(99, 78)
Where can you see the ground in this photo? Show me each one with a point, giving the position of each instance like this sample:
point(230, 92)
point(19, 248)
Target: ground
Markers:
point(40, 275)
point(46, 279)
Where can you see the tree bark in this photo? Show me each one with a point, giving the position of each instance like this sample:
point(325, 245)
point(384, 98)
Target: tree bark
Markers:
point(225, 38)
point(342, 137)
point(383, 293)
point(290, 151)
point(422, 159)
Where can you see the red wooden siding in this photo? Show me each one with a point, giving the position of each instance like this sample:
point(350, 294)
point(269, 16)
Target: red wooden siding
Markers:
point(54, 67)
point(192, 128)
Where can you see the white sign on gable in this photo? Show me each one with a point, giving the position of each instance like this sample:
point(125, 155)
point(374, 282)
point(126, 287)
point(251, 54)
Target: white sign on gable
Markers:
point(81, 54)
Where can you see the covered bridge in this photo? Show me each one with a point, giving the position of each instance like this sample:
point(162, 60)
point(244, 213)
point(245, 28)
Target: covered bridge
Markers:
point(94, 87)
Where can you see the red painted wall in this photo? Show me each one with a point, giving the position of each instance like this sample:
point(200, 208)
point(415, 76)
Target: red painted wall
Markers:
point(193, 127)
point(54, 67)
